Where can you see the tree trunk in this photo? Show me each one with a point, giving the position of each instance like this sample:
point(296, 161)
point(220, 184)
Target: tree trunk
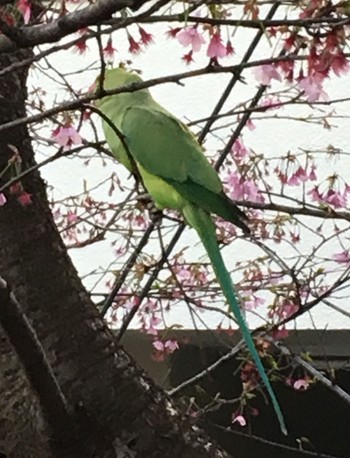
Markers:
point(126, 412)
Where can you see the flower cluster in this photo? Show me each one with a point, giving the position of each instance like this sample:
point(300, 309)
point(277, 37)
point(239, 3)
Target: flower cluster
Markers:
point(163, 348)
point(66, 136)
point(192, 37)
point(334, 193)
point(243, 188)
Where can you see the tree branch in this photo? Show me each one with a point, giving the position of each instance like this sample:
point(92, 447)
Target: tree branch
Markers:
point(40, 374)
point(78, 104)
point(127, 268)
point(327, 213)
point(336, 389)
point(261, 24)
point(28, 37)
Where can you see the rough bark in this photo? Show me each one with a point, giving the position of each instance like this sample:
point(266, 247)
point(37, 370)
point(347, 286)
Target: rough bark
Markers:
point(123, 413)
point(13, 37)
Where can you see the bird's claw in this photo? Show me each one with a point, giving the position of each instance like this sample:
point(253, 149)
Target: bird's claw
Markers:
point(146, 202)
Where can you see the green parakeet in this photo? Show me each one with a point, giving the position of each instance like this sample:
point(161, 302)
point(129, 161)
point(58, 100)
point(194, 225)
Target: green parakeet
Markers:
point(177, 175)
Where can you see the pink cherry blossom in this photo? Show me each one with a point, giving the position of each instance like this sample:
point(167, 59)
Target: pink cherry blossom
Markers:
point(150, 328)
point(236, 186)
point(216, 48)
point(56, 213)
point(293, 180)
point(311, 7)
point(229, 48)
point(280, 333)
point(188, 58)
point(189, 36)
point(201, 276)
point(287, 68)
point(164, 348)
point(250, 125)
point(3, 199)
point(272, 103)
point(302, 175)
point(315, 194)
point(72, 217)
point(109, 50)
point(298, 177)
point(240, 420)
point(340, 65)
point(266, 73)
point(342, 257)
point(281, 175)
point(287, 309)
point(134, 46)
point(16, 189)
point(243, 188)
point(80, 46)
point(171, 345)
point(251, 301)
point(67, 136)
point(131, 302)
point(158, 345)
point(289, 42)
point(172, 32)
point(337, 199)
point(301, 384)
point(283, 309)
point(149, 307)
point(146, 38)
point(313, 87)
point(184, 274)
point(25, 8)
point(312, 174)
point(252, 191)
point(25, 199)
point(239, 150)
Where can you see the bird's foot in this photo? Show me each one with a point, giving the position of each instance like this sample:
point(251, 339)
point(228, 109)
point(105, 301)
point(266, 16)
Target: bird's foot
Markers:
point(155, 215)
point(146, 203)
point(143, 198)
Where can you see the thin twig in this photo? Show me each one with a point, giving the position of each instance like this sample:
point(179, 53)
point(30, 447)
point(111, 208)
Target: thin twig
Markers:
point(150, 281)
point(127, 268)
point(336, 389)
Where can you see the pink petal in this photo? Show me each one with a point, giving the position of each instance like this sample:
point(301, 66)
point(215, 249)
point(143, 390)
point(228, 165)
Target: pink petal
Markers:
point(266, 73)
point(301, 384)
point(3, 199)
point(171, 345)
point(190, 36)
point(216, 48)
point(240, 419)
point(342, 257)
point(158, 345)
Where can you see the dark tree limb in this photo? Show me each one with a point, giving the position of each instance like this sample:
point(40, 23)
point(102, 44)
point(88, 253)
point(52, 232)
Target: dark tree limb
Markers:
point(28, 37)
point(38, 370)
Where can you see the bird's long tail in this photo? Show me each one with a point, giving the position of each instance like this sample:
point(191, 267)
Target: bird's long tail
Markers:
point(202, 222)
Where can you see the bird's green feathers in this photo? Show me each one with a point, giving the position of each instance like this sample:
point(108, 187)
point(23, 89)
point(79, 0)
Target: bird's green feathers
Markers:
point(177, 175)
point(202, 222)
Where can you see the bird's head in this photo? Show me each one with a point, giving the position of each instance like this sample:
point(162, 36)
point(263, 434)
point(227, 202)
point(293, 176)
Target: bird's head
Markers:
point(114, 78)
